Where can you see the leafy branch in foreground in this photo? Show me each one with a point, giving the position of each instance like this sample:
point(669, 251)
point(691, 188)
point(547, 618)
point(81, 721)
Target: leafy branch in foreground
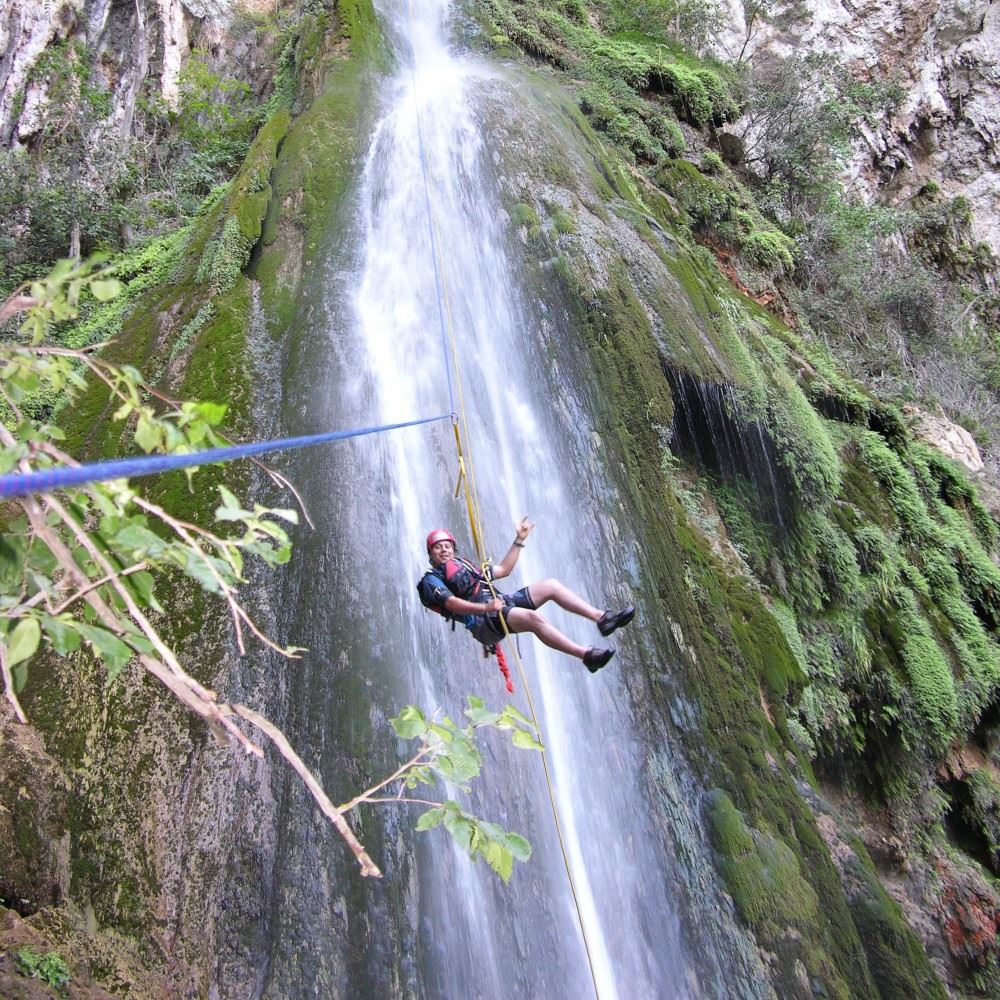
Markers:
point(80, 569)
point(448, 752)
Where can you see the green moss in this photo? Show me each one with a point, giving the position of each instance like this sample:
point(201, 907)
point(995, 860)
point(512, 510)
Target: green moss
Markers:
point(898, 964)
point(765, 878)
point(618, 329)
point(524, 215)
point(761, 872)
point(904, 497)
point(929, 674)
point(873, 548)
point(804, 444)
point(828, 570)
point(762, 643)
point(706, 202)
point(316, 165)
point(957, 491)
point(564, 223)
point(769, 249)
point(978, 654)
point(630, 82)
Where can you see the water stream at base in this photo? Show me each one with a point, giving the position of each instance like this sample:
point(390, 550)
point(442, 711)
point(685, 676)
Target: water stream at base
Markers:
point(439, 925)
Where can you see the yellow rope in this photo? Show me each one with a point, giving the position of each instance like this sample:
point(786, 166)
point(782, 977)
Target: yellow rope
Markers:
point(466, 476)
point(472, 505)
point(466, 472)
point(552, 795)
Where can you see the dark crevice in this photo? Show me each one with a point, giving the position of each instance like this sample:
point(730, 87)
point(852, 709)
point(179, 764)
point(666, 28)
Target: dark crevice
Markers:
point(710, 428)
point(967, 836)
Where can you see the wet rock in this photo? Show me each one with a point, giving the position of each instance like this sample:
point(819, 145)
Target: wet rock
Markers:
point(732, 148)
point(34, 842)
point(969, 913)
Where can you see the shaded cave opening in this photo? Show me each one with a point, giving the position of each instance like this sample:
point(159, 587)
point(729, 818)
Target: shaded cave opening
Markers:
point(712, 430)
point(962, 831)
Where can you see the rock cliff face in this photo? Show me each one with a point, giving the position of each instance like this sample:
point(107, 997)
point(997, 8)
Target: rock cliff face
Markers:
point(945, 56)
point(127, 43)
point(182, 852)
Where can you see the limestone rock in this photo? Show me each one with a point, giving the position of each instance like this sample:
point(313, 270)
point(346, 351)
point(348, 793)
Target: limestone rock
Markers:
point(945, 55)
point(949, 438)
point(34, 802)
point(27, 28)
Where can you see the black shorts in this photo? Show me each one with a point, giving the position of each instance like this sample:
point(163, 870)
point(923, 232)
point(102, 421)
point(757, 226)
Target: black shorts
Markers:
point(487, 628)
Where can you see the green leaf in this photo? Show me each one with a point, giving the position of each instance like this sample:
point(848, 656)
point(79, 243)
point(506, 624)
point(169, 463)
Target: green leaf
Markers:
point(459, 826)
point(62, 633)
point(105, 289)
point(41, 558)
point(421, 775)
point(482, 716)
point(410, 723)
point(147, 433)
point(108, 647)
point(224, 513)
point(197, 566)
point(229, 499)
point(142, 584)
point(431, 818)
point(19, 675)
point(512, 713)
point(12, 552)
point(23, 640)
point(525, 741)
point(518, 846)
point(500, 860)
point(139, 540)
point(444, 733)
point(9, 457)
point(461, 762)
point(211, 413)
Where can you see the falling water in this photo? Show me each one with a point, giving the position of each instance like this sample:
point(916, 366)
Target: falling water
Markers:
point(430, 259)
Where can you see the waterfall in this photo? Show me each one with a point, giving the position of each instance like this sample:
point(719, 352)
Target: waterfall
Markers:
point(439, 925)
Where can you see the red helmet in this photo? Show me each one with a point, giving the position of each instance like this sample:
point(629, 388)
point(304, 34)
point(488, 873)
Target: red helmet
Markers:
point(439, 535)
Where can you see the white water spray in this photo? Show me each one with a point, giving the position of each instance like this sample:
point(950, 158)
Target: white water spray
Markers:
point(477, 939)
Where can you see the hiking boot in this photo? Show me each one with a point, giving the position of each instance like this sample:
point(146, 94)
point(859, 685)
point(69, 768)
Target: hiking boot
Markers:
point(595, 658)
point(611, 620)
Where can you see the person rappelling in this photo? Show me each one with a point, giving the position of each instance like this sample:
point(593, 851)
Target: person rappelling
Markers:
point(459, 591)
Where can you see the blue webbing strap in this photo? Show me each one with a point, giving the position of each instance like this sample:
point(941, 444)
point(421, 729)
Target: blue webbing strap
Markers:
point(43, 480)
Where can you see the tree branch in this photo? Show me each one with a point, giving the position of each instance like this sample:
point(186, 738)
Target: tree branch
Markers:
point(72, 599)
point(8, 684)
point(395, 776)
point(14, 304)
point(277, 737)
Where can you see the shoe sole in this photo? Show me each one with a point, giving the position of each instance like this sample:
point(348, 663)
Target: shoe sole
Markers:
point(619, 624)
point(593, 668)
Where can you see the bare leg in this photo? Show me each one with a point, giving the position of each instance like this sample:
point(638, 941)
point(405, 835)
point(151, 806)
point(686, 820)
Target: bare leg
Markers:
point(523, 620)
point(554, 590)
